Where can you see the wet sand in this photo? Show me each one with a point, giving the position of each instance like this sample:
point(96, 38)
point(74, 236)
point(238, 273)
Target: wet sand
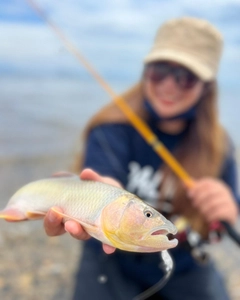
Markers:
point(35, 267)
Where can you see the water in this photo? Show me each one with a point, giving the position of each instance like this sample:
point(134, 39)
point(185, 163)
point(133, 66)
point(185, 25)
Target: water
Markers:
point(40, 126)
point(44, 115)
point(42, 118)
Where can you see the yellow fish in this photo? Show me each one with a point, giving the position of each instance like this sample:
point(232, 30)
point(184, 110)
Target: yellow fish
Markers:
point(109, 214)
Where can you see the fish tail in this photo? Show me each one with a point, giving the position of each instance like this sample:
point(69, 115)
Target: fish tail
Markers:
point(12, 215)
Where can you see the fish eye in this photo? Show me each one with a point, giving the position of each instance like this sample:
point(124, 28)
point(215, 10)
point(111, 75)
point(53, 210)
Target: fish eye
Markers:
point(148, 214)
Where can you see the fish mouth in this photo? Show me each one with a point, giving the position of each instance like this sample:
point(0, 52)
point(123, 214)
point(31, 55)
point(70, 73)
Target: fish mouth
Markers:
point(167, 232)
point(160, 232)
point(163, 230)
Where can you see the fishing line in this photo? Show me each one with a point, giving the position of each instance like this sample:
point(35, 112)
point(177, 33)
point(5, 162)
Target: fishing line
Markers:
point(231, 232)
point(168, 266)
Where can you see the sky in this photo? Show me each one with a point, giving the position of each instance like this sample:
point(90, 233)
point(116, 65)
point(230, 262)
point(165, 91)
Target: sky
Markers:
point(113, 35)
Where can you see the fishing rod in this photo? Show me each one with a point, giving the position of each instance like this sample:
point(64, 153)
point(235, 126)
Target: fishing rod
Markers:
point(134, 119)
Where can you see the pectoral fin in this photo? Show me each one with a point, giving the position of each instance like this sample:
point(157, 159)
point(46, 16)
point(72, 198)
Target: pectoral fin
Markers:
point(91, 229)
point(12, 214)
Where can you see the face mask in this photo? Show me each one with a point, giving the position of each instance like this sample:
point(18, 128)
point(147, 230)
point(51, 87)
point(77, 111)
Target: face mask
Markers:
point(186, 116)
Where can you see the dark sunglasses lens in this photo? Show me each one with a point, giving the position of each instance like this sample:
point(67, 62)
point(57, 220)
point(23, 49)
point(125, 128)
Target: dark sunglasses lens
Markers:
point(185, 78)
point(157, 72)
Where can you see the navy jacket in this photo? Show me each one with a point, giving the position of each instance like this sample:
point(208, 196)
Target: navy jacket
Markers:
point(118, 151)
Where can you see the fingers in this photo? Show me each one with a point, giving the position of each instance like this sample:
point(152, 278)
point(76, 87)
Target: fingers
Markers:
point(210, 209)
point(88, 174)
point(108, 249)
point(214, 200)
point(53, 223)
point(205, 196)
point(205, 190)
point(76, 230)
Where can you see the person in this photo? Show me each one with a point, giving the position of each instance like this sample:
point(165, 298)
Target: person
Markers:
point(177, 97)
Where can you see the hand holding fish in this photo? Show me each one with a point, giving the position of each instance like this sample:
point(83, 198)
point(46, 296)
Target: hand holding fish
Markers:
point(214, 200)
point(100, 206)
point(53, 222)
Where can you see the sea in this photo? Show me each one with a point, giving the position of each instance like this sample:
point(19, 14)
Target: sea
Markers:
point(41, 125)
point(42, 119)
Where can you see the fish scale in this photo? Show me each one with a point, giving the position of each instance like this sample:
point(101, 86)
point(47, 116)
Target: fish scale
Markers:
point(86, 198)
point(80, 199)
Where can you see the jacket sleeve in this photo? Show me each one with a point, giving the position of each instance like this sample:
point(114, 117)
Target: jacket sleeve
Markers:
point(107, 151)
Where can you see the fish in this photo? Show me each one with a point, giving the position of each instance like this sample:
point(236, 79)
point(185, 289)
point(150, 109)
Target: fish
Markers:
point(109, 214)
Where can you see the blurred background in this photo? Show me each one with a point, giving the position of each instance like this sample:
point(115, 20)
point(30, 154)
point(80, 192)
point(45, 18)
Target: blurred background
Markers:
point(46, 98)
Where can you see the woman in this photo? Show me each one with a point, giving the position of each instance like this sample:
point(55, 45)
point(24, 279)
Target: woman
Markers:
point(177, 98)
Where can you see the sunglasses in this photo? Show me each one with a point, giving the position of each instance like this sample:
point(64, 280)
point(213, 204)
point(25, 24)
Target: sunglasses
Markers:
point(156, 72)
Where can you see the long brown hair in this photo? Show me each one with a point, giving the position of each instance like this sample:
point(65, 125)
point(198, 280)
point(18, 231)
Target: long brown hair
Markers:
point(201, 152)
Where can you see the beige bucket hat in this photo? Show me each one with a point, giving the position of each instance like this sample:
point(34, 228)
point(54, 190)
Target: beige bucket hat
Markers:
point(192, 42)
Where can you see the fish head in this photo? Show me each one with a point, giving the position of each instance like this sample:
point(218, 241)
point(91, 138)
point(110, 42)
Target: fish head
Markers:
point(132, 225)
